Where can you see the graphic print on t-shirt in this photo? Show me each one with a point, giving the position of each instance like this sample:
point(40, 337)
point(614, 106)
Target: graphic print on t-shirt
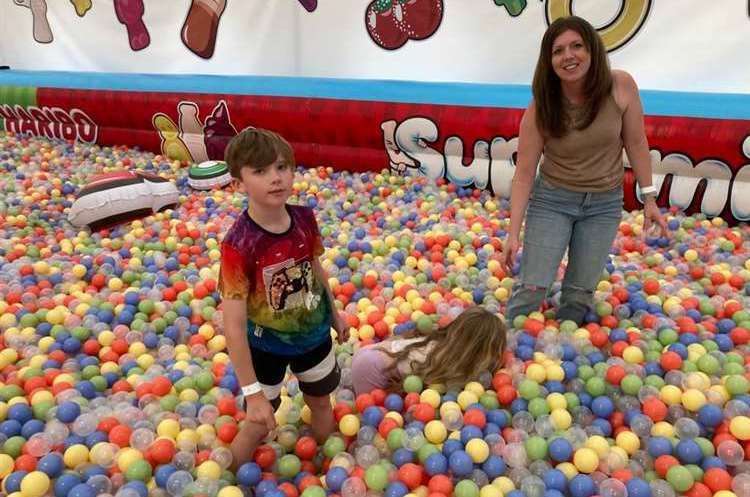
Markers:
point(289, 285)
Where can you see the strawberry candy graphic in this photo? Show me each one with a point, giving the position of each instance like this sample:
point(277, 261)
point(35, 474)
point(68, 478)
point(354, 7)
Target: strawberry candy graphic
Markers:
point(309, 5)
point(391, 23)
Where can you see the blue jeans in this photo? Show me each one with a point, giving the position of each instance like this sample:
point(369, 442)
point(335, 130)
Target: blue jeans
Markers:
point(557, 220)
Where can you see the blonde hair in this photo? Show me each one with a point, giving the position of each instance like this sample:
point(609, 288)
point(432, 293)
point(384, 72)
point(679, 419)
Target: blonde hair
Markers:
point(470, 345)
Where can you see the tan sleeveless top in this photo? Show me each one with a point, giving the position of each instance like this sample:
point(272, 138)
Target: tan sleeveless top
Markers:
point(590, 159)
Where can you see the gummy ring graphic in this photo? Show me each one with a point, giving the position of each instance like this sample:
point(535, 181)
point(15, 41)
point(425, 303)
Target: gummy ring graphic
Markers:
point(619, 31)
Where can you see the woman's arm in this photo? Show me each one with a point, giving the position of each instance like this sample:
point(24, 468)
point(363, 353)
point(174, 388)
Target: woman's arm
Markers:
point(636, 144)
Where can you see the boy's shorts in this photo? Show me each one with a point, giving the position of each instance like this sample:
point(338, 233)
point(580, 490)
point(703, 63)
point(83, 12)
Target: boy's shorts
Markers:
point(317, 371)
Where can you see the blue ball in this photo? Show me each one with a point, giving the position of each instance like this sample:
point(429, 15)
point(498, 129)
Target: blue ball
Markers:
point(372, 416)
point(451, 445)
point(602, 406)
point(65, 483)
point(335, 478)
point(638, 488)
point(12, 482)
point(249, 474)
point(10, 428)
point(469, 432)
point(265, 487)
point(710, 415)
point(498, 417)
point(138, 486)
point(582, 486)
point(560, 450)
point(436, 464)
point(396, 489)
point(394, 402)
point(460, 463)
point(51, 464)
point(494, 466)
point(20, 412)
point(162, 474)
point(82, 490)
point(689, 452)
point(402, 456)
point(554, 479)
point(659, 446)
point(68, 411)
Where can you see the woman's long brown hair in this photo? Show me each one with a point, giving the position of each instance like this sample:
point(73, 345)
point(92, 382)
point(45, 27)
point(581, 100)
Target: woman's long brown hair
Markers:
point(548, 97)
point(471, 344)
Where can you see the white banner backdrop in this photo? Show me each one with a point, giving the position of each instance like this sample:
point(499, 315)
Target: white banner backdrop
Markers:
point(681, 45)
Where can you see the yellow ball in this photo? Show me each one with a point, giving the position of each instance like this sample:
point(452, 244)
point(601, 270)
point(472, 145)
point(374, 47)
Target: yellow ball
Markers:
point(628, 441)
point(561, 419)
point(6, 465)
point(662, 429)
point(504, 484)
point(76, 455)
point(556, 401)
point(490, 491)
point(475, 387)
point(598, 444)
point(555, 373)
point(435, 432)
point(127, 456)
point(693, 399)
point(740, 427)
point(586, 460)
point(725, 493)
point(35, 484)
point(536, 372)
point(230, 491)
point(209, 469)
point(431, 397)
point(632, 355)
point(568, 469)
point(349, 425)
point(466, 398)
point(671, 394)
point(478, 450)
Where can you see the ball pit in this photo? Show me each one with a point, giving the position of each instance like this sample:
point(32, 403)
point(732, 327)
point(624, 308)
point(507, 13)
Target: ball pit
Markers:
point(115, 380)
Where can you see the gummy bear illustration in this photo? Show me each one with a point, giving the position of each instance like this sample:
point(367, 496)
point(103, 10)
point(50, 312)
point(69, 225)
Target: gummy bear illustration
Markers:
point(309, 5)
point(218, 131)
point(514, 7)
point(81, 6)
point(130, 13)
point(201, 25)
point(40, 25)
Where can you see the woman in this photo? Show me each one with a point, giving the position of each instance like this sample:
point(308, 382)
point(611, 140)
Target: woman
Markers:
point(581, 116)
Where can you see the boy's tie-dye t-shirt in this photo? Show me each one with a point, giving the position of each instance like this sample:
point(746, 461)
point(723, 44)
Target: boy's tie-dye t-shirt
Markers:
point(287, 307)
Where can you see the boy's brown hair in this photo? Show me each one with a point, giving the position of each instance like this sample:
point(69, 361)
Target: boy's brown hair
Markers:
point(256, 148)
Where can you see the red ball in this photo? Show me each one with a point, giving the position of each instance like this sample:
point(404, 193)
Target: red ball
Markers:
point(423, 412)
point(475, 417)
point(289, 489)
point(162, 451)
point(670, 360)
point(506, 394)
point(663, 463)
point(309, 481)
point(717, 479)
point(410, 475)
point(265, 456)
point(305, 448)
point(161, 386)
point(227, 406)
point(25, 462)
point(364, 401)
point(699, 490)
point(615, 373)
point(440, 484)
point(120, 435)
point(385, 426)
point(227, 432)
point(655, 409)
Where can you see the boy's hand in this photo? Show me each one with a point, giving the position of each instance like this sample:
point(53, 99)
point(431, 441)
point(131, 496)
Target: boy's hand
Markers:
point(341, 327)
point(260, 411)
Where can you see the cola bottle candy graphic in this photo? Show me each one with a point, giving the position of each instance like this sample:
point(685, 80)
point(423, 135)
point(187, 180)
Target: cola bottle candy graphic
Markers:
point(217, 132)
point(130, 13)
point(309, 5)
point(200, 27)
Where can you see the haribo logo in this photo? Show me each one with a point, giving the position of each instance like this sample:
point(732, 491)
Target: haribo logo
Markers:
point(191, 140)
point(52, 122)
point(493, 166)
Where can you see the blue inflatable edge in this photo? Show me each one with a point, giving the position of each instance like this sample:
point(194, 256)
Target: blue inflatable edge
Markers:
point(656, 103)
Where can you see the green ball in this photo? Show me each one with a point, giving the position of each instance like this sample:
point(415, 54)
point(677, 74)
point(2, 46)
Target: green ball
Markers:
point(708, 364)
point(536, 448)
point(707, 447)
point(139, 470)
point(204, 381)
point(489, 401)
point(314, 491)
point(10, 391)
point(680, 478)
point(732, 368)
point(596, 386)
point(333, 446)
point(184, 383)
point(413, 384)
point(13, 446)
point(424, 323)
point(585, 372)
point(528, 389)
point(41, 408)
point(668, 336)
point(426, 451)
point(631, 384)
point(376, 477)
point(572, 400)
point(538, 407)
point(737, 385)
point(466, 488)
point(289, 466)
point(696, 471)
point(655, 381)
point(568, 326)
point(169, 402)
point(395, 438)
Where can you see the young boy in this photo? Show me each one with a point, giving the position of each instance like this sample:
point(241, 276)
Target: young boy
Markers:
point(278, 307)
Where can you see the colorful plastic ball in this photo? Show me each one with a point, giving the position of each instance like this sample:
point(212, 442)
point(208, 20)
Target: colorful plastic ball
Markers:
point(35, 484)
point(585, 460)
point(466, 488)
point(739, 426)
point(680, 478)
point(82, 490)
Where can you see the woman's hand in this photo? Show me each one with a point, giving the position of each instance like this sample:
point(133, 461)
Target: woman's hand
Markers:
point(510, 249)
point(651, 215)
point(341, 327)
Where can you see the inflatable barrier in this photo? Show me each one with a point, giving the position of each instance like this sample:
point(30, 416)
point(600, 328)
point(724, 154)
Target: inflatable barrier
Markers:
point(463, 133)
